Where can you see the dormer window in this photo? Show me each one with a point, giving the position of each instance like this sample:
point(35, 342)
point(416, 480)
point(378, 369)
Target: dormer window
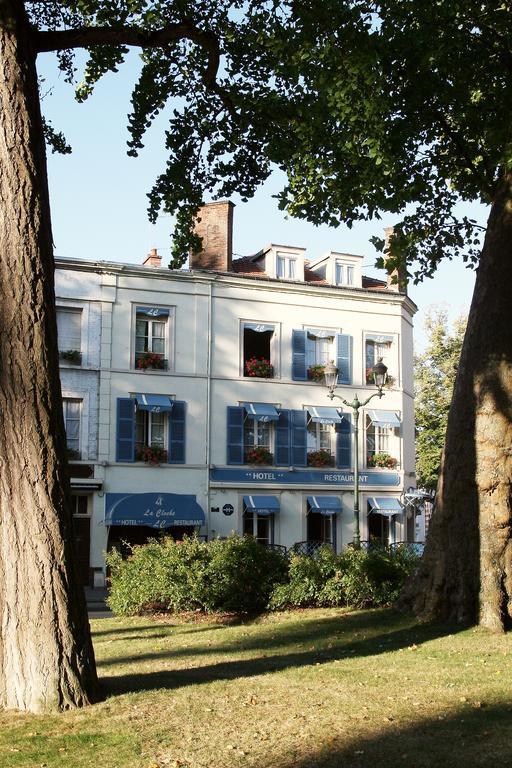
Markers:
point(344, 273)
point(286, 266)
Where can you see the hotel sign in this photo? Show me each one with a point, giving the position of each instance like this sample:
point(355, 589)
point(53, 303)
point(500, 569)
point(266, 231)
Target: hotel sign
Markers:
point(330, 477)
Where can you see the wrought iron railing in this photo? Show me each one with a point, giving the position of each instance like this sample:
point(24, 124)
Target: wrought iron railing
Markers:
point(310, 548)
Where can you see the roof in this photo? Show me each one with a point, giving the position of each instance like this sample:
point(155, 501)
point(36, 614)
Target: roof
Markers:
point(248, 266)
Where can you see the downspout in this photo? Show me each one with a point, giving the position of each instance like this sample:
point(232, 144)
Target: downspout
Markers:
point(208, 404)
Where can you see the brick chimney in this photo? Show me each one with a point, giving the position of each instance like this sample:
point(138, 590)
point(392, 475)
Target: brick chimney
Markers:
point(152, 259)
point(214, 225)
point(396, 279)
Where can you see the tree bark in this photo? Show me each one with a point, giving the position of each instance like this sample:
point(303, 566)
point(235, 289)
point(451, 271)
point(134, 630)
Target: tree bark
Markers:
point(46, 656)
point(466, 571)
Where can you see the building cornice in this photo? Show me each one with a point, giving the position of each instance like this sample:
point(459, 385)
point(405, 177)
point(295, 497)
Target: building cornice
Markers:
point(205, 277)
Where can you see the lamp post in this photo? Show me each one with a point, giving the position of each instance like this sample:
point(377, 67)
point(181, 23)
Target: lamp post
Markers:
point(380, 373)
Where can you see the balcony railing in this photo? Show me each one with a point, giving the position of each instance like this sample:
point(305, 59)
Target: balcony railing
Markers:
point(309, 548)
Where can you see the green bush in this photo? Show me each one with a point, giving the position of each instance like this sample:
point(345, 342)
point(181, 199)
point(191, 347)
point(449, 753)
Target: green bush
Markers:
point(355, 578)
point(235, 574)
point(239, 575)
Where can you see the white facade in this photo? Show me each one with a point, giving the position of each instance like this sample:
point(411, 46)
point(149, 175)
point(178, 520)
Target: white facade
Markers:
point(204, 325)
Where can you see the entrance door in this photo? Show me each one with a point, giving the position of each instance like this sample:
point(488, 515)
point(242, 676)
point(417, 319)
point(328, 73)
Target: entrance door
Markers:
point(82, 531)
point(378, 529)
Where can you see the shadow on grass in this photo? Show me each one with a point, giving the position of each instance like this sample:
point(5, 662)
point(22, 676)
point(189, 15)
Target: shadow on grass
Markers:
point(467, 737)
point(341, 636)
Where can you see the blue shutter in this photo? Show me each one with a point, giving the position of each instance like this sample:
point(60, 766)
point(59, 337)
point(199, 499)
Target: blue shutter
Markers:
point(125, 429)
point(344, 442)
point(298, 438)
point(176, 452)
point(299, 355)
point(235, 435)
point(344, 358)
point(282, 454)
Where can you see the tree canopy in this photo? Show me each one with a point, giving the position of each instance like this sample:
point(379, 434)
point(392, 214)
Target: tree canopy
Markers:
point(367, 107)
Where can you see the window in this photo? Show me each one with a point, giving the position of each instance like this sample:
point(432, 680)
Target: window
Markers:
point(151, 330)
point(69, 325)
point(377, 348)
point(79, 505)
point(257, 350)
point(257, 441)
point(286, 267)
point(150, 430)
point(258, 526)
point(379, 442)
point(321, 444)
point(72, 410)
point(320, 349)
point(344, 273)
point(321, 528)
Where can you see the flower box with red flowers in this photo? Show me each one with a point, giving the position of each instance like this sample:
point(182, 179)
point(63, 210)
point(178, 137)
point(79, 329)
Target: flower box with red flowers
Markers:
point(258, 456)
point(321, 458)
point(150, 360)
point(382, 460)
point(260, 368)
point(316, 373)
point(152, 454)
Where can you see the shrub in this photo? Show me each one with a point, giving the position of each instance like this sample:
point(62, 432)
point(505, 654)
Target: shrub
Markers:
point(306, 579)
point(235, 574)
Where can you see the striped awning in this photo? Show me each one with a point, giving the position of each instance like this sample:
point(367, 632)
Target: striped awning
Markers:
point(385, 505)
point(325, 505)
point(384, 418)
point(324, 415)
point(153, 403)
point(262, 505)
point(261, 411)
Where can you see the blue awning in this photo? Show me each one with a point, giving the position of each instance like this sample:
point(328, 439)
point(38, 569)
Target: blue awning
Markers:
point(156, 510)
point(320, 334)
point(325, 505)
point(324, 415)
point(384, 418)
point(379, 338)
point(258, 327)
point(153, 403)
point(261, 411)
point(262, 505)
point(154, 312)
point(385, 505)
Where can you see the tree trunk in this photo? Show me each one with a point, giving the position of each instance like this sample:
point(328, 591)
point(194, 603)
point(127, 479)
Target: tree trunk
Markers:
point(466, 571)
point(46, 656)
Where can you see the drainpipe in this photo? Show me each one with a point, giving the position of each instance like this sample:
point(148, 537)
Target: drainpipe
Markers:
point(208, 403)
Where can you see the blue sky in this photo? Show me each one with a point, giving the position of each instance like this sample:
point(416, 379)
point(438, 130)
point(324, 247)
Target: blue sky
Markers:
point(98, 197)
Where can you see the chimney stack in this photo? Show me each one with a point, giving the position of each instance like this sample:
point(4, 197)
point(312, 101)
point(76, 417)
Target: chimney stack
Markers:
point(152, 259)
point(214, 225)
point(396, 279)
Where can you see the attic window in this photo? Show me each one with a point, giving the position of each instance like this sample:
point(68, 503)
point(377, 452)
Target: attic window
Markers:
point(344, 273)
point(286, 267)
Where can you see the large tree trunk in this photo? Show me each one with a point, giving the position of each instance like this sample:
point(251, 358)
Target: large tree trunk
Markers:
point(46, 656)
point(466, 570)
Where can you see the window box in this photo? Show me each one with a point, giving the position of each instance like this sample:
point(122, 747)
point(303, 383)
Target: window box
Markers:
point(150, 360)
point(72, 356)
point(259, 455)
point(260, 368)
point(321, 458)
point(382, 460)
point(316, 373)
point(73, 453)
point(152, 454)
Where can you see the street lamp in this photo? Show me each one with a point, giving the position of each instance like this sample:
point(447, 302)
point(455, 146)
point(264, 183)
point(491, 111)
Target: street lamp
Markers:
point(380, 373)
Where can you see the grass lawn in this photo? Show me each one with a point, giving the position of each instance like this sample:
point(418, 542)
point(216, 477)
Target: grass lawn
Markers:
point(313, 689)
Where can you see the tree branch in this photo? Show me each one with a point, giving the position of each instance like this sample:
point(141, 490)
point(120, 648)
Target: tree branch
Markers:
point(87, 37)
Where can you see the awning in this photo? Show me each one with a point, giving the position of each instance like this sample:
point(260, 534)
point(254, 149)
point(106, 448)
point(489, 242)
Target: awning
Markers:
point(385, 505)
point(324, 415)
point(153, 403)
point(156, 510)
point(154, 312)
point(261, 411)
point(325, 505)
point(379, 339)
point(320, 334)
point(384, 418)
point(262, 505)
point(258, 327)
